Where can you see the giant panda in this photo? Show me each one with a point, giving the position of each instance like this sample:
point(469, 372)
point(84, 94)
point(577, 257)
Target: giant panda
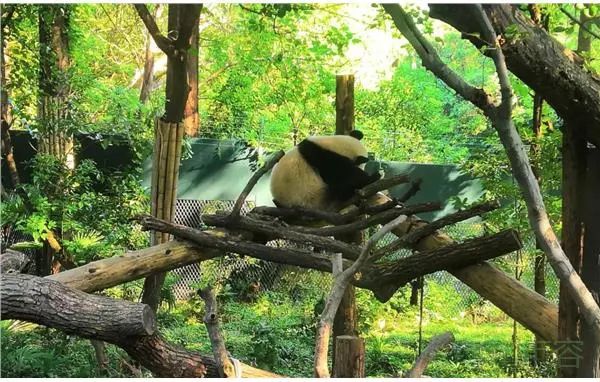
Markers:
point(322, 172)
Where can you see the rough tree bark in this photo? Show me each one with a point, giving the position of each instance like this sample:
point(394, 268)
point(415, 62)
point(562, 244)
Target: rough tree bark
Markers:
point(131, 326)
point(48, 302)
point(500, 116)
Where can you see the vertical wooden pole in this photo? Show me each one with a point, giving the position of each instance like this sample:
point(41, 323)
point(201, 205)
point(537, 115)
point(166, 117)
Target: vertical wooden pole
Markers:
point(345, 321)
point(349, 357)
point(344, 104)
point(165, 172)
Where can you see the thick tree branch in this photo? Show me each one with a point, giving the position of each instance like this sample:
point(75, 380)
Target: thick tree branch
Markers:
point(211, 320)
point(435, 344)
point(534, 56)
point(431, 60)
point(189, 15)
point(161, 41)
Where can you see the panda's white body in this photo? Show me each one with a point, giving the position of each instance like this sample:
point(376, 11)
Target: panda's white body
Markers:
point(296, 183)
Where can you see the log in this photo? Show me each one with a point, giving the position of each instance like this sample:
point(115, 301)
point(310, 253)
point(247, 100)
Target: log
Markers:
point(436, 344)
point(385, 278)
point(106, 273)
point(50, 303)
point(349, 357)
point(13, 262)
point(166, 360)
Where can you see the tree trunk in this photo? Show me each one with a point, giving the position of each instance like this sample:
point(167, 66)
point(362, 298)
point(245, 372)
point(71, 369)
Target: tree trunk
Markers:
point(191, 119)
point(183, 19)
point(349, 357)
point(590, 364)
point(5, 117)
point(53, 79)
point(345, 321)
point(572, 234)
point(344, 104)
point(573, 206)
point(148, 75)
point(50, 303)
point(131, 326)
point(165, 173)
point(501, 118)
point(535, 58)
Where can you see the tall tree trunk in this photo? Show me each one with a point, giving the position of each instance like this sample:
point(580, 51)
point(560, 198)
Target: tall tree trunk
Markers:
point(590, 364)
point(501, 118)
point(191, 119)
point(573, 206)
point(53, 101)
point(183, 19)
point(5, 117)
point(345, 322)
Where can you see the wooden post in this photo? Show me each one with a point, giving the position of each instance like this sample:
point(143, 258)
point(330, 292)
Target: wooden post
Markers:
point(165, 172)
point(349, 357)
point(345, 321)
point(344, 104)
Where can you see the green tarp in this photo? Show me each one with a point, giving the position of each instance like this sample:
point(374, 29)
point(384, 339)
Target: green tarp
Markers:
point(219, 169)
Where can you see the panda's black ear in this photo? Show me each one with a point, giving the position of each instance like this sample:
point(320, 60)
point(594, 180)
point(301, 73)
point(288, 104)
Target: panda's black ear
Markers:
point(356, 134)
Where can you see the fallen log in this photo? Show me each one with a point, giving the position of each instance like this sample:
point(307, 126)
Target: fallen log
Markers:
point(50, 303)
point(131, 326)
point(166, 360)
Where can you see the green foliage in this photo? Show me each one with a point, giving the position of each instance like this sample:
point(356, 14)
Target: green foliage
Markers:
point(44, 353)
point(92, 224)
